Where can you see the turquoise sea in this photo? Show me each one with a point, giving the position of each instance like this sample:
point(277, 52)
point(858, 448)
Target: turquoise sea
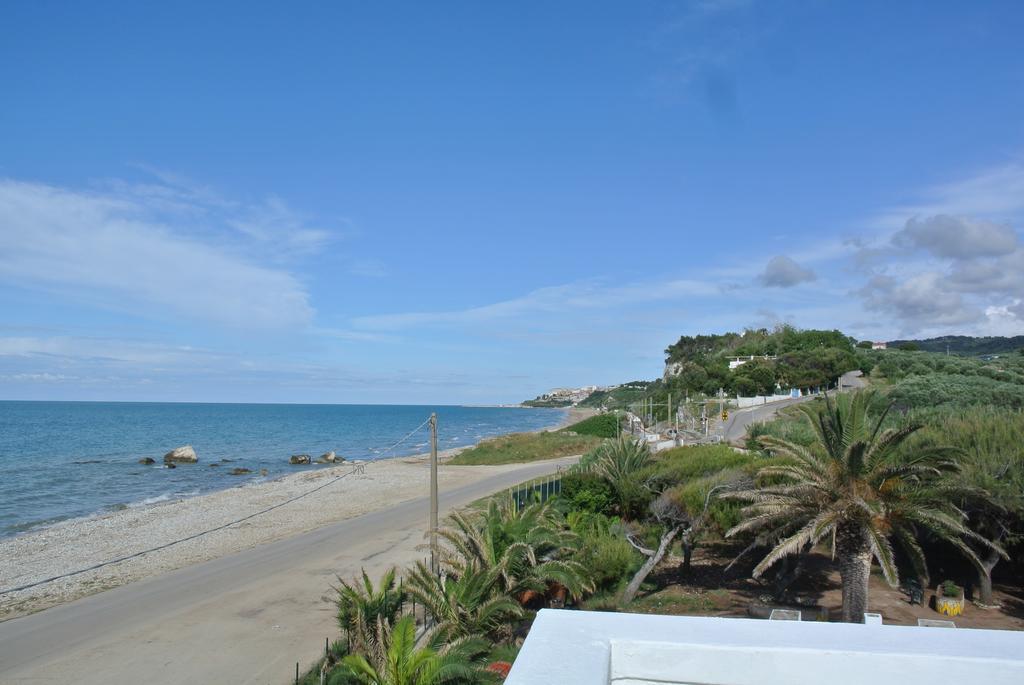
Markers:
point(61, 460)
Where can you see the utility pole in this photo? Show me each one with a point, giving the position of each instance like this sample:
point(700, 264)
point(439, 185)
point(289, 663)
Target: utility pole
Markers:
point(433, 494)
point(668, 416)
point(675, 421)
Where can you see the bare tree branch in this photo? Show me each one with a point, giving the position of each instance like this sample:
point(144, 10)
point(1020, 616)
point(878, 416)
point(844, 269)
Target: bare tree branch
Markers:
point(638, 547)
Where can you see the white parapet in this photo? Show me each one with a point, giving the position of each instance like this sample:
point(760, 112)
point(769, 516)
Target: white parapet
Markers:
point(597, 648)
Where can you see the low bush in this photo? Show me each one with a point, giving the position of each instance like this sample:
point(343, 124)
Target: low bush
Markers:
point(682, 464)
point(936, 389)
point(723, 514)
point(600, 425)
point(611, 560)
point(791, 429)
point(522, 447)
point(603, 549)
point(588, 492)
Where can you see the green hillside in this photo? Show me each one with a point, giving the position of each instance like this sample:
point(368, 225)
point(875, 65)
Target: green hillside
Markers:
point(966, 345)
point(618, 398)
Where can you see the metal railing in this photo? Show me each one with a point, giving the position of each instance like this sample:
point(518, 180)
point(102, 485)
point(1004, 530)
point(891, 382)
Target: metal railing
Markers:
point(534, 491)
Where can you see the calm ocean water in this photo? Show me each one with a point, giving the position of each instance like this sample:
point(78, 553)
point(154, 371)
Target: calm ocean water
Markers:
point(60, 460)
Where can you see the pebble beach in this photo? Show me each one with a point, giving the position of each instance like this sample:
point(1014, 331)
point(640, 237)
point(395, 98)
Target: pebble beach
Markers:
point(84, 542)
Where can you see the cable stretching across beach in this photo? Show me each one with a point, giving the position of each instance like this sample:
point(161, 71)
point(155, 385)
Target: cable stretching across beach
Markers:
point(408, 435)
point(358, 469)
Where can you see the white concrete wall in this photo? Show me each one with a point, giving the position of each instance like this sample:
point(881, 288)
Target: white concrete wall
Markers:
point(643, 663)
point(597, 648)
point(757, 400)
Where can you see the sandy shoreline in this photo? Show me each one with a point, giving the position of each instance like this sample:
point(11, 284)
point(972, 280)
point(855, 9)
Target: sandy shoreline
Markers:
point(80, 543)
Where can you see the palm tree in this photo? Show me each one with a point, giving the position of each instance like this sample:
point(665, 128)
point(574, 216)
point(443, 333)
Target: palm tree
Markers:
point(470, 604)
point(528, 548)
point(361, 606)
point(623, 463)
point(393, 659)
point(857, 487)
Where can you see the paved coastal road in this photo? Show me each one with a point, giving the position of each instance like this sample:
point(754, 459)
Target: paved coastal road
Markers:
point(244, 618)
point(740, 420)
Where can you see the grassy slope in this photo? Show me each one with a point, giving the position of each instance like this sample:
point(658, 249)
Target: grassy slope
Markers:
point(619, 398)
point(524, 447)
point(601, 426)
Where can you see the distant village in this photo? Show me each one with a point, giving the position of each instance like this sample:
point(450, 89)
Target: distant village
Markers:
point(572, 395)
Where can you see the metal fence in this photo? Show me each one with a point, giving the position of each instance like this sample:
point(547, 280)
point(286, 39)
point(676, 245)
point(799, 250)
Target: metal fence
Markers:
point(537, 490)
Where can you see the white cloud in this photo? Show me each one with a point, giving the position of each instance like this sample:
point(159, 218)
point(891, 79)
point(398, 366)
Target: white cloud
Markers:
point(114, 248)
point(271, 228)
point(38, 378)
point(952, 262)
point(783, 272)
point(92, 350)
point(920, 302)
point(957, 237)
point(1005, 320)
point(552, 300)
point(996, 193)
point(275, 223)
point(1000, 276)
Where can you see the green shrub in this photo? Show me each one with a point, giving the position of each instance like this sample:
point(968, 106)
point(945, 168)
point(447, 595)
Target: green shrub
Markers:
point(601, 426)
point(624, 463)
point(790, 428)
point(522, 447)
point(610, 560)
point(683, 464)
point(936, 389)
point(691, 496)
point(588, 492)
point(603, 548)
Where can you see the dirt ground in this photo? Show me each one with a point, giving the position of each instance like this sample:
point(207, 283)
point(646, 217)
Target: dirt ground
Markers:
point(707, 590)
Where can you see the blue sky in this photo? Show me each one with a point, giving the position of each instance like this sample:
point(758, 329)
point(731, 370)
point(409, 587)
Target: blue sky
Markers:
point(474, 202)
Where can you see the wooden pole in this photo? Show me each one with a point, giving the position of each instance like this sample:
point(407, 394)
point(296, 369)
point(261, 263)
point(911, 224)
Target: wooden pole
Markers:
point(433, 494)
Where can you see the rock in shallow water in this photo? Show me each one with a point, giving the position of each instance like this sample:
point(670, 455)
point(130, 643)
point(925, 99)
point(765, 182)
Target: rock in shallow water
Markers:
point(147, 460)
point(329, 458)
point(184, 455)
point(239, 471)
point(299, 459)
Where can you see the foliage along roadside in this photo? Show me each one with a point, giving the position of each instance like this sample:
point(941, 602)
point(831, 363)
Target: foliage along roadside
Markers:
point(525, 447)
point(624, 510)
point(859, 489)
point(600, 426)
